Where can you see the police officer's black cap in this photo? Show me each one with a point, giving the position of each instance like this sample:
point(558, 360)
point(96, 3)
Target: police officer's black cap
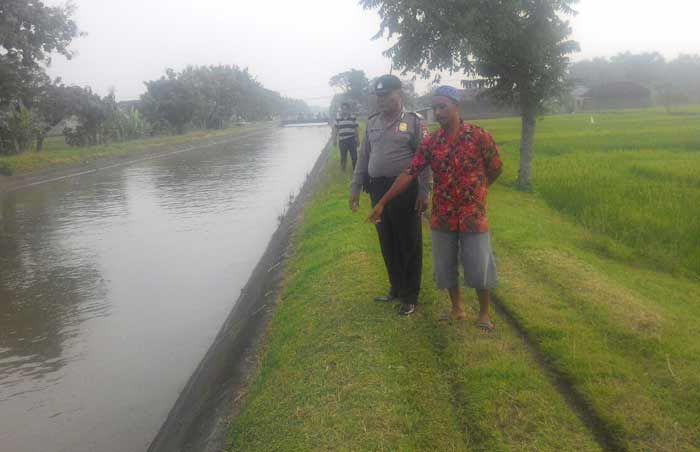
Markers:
point(386, 84)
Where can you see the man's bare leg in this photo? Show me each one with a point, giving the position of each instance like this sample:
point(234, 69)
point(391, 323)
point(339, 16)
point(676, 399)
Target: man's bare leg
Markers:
point(457, 306)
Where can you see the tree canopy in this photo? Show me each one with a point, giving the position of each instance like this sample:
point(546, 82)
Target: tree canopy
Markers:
point(30, 32)
point(355, 87)
point(520, 46)
point(675, 81)
point(31, 103)
point(212, 97)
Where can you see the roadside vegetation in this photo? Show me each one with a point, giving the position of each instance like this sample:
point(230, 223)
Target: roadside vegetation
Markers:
point(59, 154)
point(32, 105)
point(596, 344)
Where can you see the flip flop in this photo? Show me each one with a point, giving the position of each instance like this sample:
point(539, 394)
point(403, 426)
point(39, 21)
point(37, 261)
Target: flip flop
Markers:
point(486, 327)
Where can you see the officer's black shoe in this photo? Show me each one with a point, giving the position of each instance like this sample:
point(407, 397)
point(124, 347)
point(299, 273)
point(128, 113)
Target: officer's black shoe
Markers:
point(407, 309)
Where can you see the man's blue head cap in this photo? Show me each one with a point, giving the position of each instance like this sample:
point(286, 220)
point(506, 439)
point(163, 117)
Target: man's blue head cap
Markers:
point(449, 92)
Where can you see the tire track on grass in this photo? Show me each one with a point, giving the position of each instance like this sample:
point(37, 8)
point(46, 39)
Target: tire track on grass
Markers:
point(575, 400)
point(473, 434)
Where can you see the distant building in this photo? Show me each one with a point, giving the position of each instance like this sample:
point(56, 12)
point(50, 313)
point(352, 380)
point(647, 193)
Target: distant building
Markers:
point(580, 97)
point(69, 122)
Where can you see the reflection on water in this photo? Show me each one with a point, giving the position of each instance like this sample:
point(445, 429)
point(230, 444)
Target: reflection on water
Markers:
point(113, 285)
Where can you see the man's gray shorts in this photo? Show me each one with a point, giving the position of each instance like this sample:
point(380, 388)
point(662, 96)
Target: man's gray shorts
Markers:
point(474, 251)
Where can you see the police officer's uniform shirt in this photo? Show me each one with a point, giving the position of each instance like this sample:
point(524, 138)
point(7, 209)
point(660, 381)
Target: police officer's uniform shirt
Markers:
point(387, 150)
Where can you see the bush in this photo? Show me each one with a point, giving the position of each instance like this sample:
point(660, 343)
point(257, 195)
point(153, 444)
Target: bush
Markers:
point(17, 129)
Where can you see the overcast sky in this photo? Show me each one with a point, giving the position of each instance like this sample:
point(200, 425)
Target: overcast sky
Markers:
point(295, 47)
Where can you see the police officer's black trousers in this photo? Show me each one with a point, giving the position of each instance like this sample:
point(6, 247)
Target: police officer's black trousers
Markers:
point(348, 145)
point(401, 239)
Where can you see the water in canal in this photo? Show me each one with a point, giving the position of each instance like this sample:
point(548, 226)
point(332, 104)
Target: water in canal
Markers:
point(114, 284)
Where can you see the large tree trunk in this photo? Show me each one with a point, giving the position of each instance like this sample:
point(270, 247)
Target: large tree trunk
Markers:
point(527, 149)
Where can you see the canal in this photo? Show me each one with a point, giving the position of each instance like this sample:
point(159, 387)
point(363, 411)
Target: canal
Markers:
point(114, 284)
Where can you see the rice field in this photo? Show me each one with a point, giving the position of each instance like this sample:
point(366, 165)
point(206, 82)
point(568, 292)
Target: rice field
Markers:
point(632, 176)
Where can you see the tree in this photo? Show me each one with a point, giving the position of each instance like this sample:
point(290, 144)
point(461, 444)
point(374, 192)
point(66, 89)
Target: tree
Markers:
point(211, 97)
point(520, 46)
point(170, 101)
point(30, 33)
point(683, 79)
point(221, 92)
point(50, 107)
point(354, 84)
point(17, 128)
point(91, 112)
point(646, 69)
point(675, 81)
point(21, 119)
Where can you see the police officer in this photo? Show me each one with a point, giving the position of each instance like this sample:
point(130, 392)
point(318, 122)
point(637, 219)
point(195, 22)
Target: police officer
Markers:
point(391, 138)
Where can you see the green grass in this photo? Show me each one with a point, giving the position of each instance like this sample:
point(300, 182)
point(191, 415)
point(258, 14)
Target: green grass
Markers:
point(624, 337)
point(597, 268)
point(57, 153)
point(632, 176)
point(600, 266)
point(342, 372)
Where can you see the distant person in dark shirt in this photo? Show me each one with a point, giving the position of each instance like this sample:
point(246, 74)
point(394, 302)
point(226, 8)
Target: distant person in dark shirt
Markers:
point(465, 161)
point(347, 134)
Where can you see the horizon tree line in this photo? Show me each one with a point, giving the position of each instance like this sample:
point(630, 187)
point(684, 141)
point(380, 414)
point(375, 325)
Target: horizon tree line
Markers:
point(31, 104)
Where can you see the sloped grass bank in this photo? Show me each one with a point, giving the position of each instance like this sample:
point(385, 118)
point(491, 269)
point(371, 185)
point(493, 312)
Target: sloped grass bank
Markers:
point(341, 372)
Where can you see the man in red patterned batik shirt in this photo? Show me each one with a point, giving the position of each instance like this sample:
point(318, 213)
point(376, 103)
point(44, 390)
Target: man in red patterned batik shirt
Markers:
point(465, 161)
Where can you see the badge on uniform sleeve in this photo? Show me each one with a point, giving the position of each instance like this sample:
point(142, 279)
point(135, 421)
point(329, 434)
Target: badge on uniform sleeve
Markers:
point(403, 127)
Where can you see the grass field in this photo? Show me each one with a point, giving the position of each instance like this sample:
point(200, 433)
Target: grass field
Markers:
point(57, 153)
point(597, 346)
point(633, 176)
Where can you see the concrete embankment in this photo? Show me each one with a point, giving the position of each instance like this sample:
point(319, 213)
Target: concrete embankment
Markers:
point(199, 419)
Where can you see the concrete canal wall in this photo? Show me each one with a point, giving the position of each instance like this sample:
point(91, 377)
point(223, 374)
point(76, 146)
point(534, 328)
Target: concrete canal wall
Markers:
point(199, 419)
